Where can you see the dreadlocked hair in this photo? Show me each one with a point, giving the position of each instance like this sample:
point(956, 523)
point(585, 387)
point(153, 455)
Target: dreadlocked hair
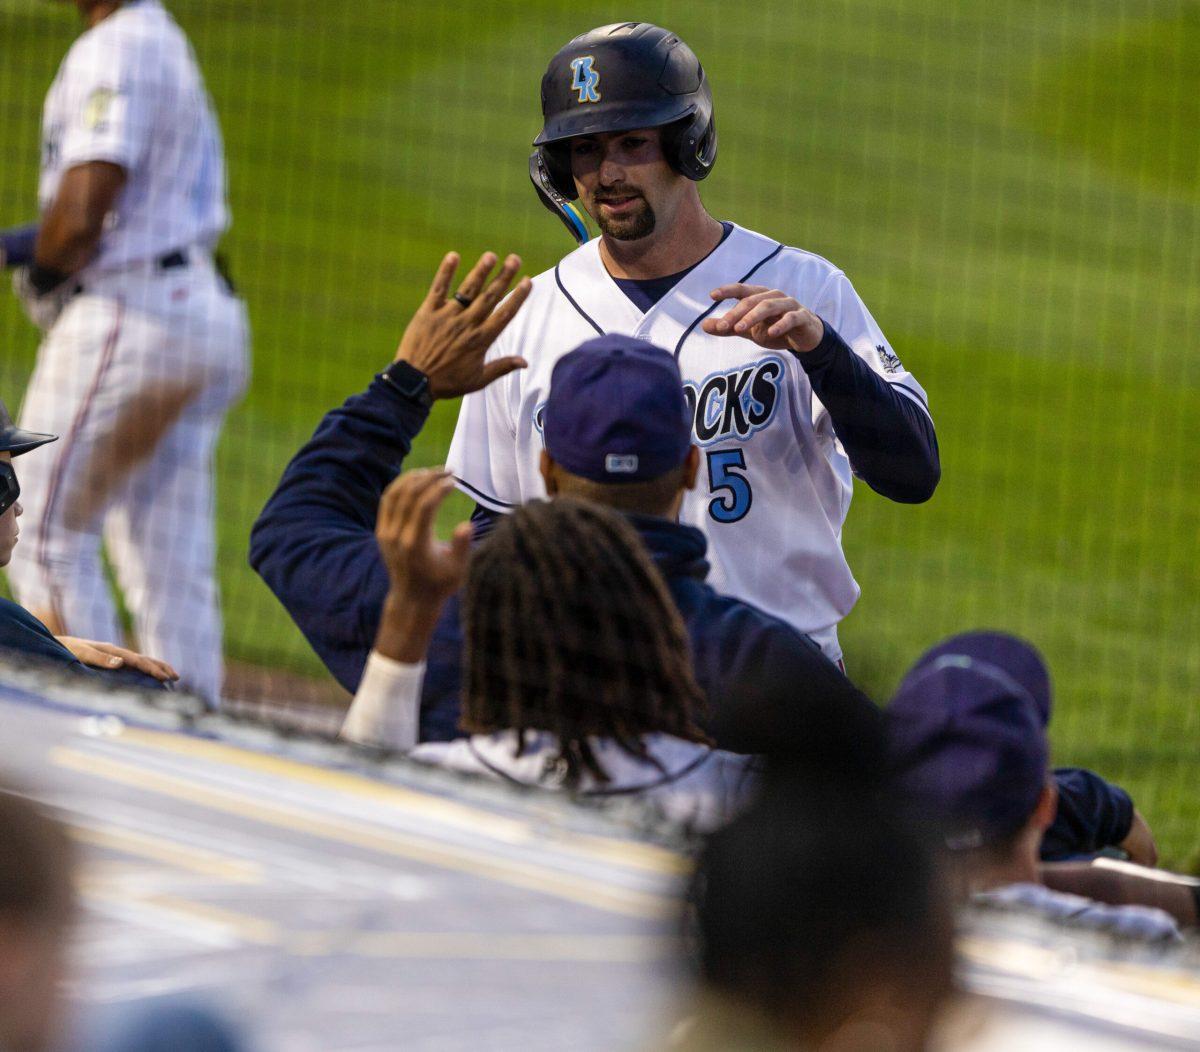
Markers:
point(569, 629)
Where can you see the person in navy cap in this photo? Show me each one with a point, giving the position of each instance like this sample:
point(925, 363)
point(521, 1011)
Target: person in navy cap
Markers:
point(969, 751)
point(23, 636)
point(616, 432)
point(1092, 815)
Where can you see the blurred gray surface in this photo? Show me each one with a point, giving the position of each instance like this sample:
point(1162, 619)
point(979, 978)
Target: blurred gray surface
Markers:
point(331, 899)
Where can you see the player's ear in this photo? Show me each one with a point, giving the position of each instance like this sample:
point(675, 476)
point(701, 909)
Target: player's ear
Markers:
point(691, 467)
point(1047, 805)
point(546, 467)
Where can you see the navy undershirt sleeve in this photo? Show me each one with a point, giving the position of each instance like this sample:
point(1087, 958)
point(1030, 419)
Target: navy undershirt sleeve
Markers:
point(482, 521)
point(17, 244)
point(889, 439)
point(1092, 814)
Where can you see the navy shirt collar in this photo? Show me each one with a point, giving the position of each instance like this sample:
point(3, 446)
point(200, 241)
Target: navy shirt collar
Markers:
point(677, 550)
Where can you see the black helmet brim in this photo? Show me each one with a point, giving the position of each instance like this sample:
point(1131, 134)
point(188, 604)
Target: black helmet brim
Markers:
point(602, 118)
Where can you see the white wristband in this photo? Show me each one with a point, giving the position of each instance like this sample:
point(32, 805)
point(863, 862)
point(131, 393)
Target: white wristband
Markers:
point(387, 706)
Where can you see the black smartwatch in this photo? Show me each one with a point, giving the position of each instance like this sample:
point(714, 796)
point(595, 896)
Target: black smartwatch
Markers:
point(410, 382)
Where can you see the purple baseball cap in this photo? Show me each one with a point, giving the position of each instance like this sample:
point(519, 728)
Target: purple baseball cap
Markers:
point(616, 411)
point(968, 747)
point(1021, 660)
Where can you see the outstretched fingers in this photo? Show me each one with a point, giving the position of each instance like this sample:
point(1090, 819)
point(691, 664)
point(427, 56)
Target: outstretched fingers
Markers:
point(497, 287)
point(724, 325)
point(396, 504)
point(460, 539)
point(492, 371)
point(764, 310)
point(785, 323)
point(502, 315)
point(418, 529)
point(473, 282)
point(441, 280)
point(737, 291)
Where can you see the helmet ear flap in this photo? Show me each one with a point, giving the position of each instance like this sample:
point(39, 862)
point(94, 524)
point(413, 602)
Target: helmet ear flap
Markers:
point(556, 161)
point(570, 214)
point(690, 145)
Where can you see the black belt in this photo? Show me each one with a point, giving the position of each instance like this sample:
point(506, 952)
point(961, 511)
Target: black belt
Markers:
point(169, 261)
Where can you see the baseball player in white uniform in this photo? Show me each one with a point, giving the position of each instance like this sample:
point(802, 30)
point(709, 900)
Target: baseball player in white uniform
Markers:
point(145, 346)
point(793, 386)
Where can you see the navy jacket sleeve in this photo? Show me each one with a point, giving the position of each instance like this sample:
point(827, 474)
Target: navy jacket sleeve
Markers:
point(1092, 814)
point(889, 439)
point(314, 543)
point(24, 635)
point(769, 688)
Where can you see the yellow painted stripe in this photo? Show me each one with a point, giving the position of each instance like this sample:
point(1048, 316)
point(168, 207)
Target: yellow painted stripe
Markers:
point(392, 945)
point(572, 887)
point(630, 853)
point(481, 946)
point(1039, 962)
point(256, 930)
point(157, 849)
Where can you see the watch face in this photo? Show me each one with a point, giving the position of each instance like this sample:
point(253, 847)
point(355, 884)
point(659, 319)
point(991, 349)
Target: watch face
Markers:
point(409, 380)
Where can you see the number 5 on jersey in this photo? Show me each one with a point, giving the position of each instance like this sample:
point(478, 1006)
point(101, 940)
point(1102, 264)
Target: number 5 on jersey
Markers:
point(732, 496)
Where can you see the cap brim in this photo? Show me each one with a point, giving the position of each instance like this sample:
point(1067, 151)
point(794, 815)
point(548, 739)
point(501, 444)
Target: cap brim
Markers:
point(15, 441)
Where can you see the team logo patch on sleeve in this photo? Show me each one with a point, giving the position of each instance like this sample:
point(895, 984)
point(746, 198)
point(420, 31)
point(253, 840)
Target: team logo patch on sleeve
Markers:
point(887, 358)
point(587, 79)
point(96, 109)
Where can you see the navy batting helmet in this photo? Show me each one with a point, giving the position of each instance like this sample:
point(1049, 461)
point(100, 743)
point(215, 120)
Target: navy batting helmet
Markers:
point(15, 441)
point(616, 78)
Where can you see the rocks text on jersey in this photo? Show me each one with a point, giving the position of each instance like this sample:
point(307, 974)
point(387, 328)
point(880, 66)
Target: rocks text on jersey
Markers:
point(735, 403)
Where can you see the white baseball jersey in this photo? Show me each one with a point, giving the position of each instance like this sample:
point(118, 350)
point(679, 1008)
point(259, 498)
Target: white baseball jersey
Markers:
point(129, 92)
point(691, 784)
point(775, 484)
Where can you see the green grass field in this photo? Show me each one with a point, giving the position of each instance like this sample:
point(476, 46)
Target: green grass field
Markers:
point(1012, 187)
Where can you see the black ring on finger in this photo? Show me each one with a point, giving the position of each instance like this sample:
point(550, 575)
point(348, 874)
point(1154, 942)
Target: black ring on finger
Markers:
point(462, 301)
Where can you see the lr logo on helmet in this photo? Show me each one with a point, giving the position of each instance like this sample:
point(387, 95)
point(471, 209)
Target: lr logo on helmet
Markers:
point(586, 79)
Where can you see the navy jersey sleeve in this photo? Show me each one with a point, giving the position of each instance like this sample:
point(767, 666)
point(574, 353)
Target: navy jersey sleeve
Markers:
point(1092, 814)
point(314, 543)
point(889, 439)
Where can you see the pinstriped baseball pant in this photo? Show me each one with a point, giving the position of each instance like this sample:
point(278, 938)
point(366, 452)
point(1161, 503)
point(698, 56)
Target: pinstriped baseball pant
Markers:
point(135, 377)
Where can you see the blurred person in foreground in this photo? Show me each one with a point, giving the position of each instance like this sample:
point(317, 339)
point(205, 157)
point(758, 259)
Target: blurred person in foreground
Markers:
point(822, 923)
point(576, 667)
point(21, 634)
point(969, 752)
point(616, 432)
point(38, 908)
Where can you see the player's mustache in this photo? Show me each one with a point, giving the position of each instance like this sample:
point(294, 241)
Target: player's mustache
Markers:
point(615, 194)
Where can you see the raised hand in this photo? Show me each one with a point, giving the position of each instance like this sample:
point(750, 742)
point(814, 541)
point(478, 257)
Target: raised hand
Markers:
point(424, 571)
point(419, 565)
point(448, 338)
point(769, 317)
